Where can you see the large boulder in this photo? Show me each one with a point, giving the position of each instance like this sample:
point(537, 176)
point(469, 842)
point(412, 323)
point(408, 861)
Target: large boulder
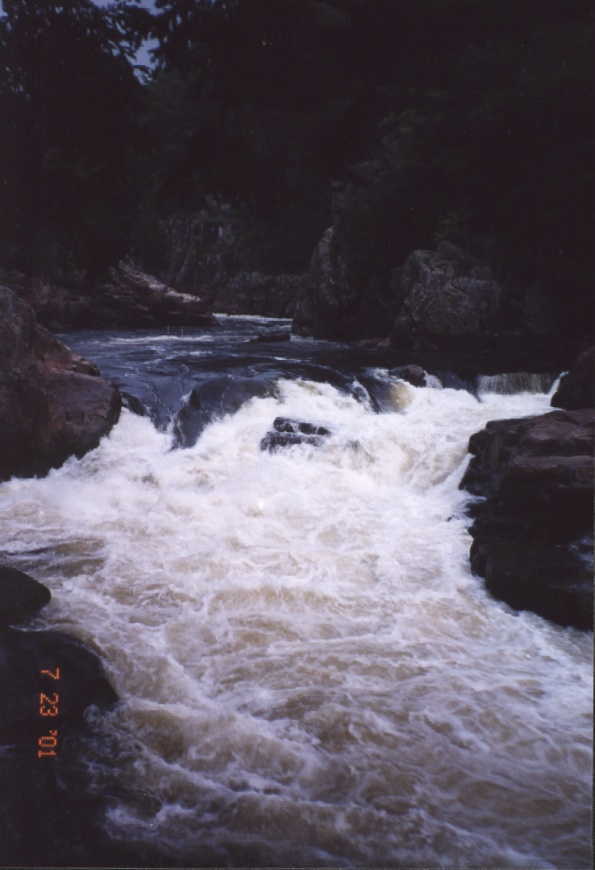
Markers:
point(335, 303)
point(53, 404)
point(533, 533)
point(129, 298)
point(446, 295)
point(133, 298)
point(577, 387)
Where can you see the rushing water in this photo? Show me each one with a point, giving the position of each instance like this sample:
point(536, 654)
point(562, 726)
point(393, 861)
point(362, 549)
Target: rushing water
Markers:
point(309, 672)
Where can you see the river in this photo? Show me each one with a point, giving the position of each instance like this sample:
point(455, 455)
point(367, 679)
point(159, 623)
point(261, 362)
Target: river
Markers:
point(309, 673)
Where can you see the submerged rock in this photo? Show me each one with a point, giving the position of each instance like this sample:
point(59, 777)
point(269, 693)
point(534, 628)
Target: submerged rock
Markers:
point(287, 432)
point(577, 388)
point(53, 404)
point(215, 398)
point(533, 535)
point(413, 374)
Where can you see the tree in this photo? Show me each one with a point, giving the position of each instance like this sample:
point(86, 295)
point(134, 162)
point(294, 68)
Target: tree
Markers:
point(70, 96)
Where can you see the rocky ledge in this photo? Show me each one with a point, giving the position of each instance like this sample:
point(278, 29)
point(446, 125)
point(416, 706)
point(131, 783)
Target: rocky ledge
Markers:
point(533, 532)
point(129, 298)
point(53, 403)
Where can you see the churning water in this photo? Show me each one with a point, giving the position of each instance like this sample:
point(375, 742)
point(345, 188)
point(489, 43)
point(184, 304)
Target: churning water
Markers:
point(309, 673)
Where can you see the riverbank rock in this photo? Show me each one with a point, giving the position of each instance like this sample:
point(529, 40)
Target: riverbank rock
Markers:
point(533, 534)
point(20, 596)
point(134, 299)
point(287, 432)
point(577, 387)
point(129, 299)
point(53, 404)
point(51, 815)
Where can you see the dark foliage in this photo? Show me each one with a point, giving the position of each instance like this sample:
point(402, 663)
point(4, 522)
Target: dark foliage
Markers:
point(403, 123)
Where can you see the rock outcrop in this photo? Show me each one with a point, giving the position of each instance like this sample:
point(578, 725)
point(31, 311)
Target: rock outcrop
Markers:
point(53, 404)
point(577, 387)
point(129, 299)
point(533, 534)
point(334, 303)
point(134, 299)
point(445, 295)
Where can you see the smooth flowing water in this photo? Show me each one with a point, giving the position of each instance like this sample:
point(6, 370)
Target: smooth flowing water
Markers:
point(309, 672)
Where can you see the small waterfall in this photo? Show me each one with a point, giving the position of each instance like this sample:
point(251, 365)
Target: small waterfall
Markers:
point(508, 383)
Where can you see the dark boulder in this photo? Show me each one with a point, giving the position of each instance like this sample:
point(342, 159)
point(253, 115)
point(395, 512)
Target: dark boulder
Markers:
point(213, 399)
point(335, 302)
point(134, 404)
point(51, 814)
point(53, 404)
point(287, 432)
point(533, 534)
point(577, 387)
point(20, 596)
point(132, 298)
point(413, 374)
point(446, 296)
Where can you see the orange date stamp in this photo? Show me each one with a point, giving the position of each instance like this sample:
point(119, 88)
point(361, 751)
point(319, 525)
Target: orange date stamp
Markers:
point(49, 707)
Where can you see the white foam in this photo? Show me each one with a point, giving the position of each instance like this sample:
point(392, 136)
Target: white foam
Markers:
point(304, 655)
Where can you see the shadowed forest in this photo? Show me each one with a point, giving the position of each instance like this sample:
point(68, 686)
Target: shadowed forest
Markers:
point(403, 124)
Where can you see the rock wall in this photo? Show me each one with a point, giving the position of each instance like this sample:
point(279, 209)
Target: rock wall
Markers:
point(53, 404)
point(533, 534)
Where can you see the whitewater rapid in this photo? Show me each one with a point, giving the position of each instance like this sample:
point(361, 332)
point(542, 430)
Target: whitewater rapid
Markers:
point(308, 671)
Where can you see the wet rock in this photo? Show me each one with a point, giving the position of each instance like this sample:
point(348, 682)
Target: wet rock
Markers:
point(51, 814)
point(577, 387)
point(134, 404)
point(20, 596)
point(287, 432)
point(413, 374)
point(533, 534)
point(53, 404)
point(213, 399)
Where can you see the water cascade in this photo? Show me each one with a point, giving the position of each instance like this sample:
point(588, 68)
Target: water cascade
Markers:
point(309, 672)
